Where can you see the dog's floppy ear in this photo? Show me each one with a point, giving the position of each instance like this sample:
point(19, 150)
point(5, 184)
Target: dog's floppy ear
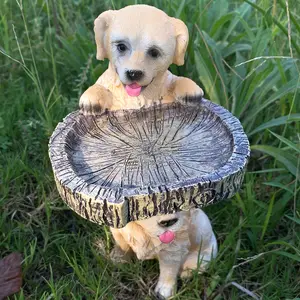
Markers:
point(182, 40)
point(101, 26)
point(139, 240)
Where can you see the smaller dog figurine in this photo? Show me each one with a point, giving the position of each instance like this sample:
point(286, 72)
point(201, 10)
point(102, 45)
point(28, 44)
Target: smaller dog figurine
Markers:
point(141, 42)
point(181, 242)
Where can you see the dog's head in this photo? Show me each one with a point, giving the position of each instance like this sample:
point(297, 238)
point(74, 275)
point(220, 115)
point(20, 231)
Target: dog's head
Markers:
point(141, 42)
point(147, 237)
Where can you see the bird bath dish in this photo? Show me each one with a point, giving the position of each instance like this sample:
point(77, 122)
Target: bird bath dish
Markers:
point(128, 165)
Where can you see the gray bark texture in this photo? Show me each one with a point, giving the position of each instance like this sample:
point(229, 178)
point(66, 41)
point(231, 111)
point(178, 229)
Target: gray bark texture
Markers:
point(130, 165)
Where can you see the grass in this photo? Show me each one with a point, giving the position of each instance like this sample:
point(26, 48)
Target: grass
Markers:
point(245, 54)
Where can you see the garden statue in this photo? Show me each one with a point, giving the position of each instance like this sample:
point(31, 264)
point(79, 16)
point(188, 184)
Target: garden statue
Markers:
point(145, 151)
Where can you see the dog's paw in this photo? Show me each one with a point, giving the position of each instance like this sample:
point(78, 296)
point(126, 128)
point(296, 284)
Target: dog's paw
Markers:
point(117, 255)
point(187, 91)
point(194, 100)
point(95, 100)
point(165, 290)
point(187, 274)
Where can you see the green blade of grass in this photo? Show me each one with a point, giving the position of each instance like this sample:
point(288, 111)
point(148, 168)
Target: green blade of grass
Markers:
point(295, 22)
point(217, 26)
point(235, 48)
point(274, 78)
point(276, 122)
point(180, 8)
point(285, 158)
point(250, 91)
point(285, 244)
point(296, 220)
point(284, 90)
point(287, 142)
point(269, 18)
point(294, 257)
point(268, 216)
point(242, 11)
point(216, 67)
point(267, 171)
point(279, 185)
point(207, 76)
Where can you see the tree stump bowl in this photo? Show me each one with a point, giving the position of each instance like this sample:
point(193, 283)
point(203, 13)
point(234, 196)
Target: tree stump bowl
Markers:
point(129, 165)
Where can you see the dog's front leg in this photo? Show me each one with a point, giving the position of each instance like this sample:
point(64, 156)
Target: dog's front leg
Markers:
point(169, 264)
point(96, 99)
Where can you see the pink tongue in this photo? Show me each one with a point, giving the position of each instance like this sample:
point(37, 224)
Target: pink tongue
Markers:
point(133, 89)
point(167, 237)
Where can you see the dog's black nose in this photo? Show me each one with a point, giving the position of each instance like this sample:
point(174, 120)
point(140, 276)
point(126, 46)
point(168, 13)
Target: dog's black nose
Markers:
point(134, 74)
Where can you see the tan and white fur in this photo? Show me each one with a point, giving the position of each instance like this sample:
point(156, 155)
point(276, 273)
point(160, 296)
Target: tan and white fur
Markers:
point(141, 42)
point(151, 41)
point(193, 247)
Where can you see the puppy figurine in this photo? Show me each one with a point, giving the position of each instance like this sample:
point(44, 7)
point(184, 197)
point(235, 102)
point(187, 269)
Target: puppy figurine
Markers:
point(141, 42)
point(182, 242)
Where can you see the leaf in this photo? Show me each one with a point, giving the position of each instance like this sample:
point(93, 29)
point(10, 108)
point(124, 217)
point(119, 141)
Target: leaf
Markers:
point(279, 185)
point(242, 11)
point(267, 219)
point(10, 274)
point(217, 55)
point(281, 92)
point(180, 8)
point(269, 18)
point(284, 243)
point(267, 171)
point(287, 142)
point(236, 79)
point(244, 290)
point(248, 29)
point(260, 43)
point(235, 48)
point(207, 76)
point(273, 79)
point(250, 90)
point(216, 10)
point(279, 207)
point(276, 122)
point(218, 64)
point(289, 255)
point(1, 123)
point(218, 25)
point(284, 157)
point(295, 22)
point(296, 220)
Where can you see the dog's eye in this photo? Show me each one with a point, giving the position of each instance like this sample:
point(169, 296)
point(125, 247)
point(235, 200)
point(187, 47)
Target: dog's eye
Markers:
point(168, 223)
point(154, 53)
point(121, 47)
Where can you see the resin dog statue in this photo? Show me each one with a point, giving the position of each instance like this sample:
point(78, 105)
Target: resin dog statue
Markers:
point(181, 242)
point(141, 42)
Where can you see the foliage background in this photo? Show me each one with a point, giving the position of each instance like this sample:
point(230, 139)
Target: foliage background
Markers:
point(245, 54)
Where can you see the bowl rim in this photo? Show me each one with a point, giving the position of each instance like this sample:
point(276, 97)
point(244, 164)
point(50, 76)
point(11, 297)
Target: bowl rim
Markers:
point(62, 166)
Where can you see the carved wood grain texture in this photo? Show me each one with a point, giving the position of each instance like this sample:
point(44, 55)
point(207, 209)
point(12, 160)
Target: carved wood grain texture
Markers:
point(134, 164)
